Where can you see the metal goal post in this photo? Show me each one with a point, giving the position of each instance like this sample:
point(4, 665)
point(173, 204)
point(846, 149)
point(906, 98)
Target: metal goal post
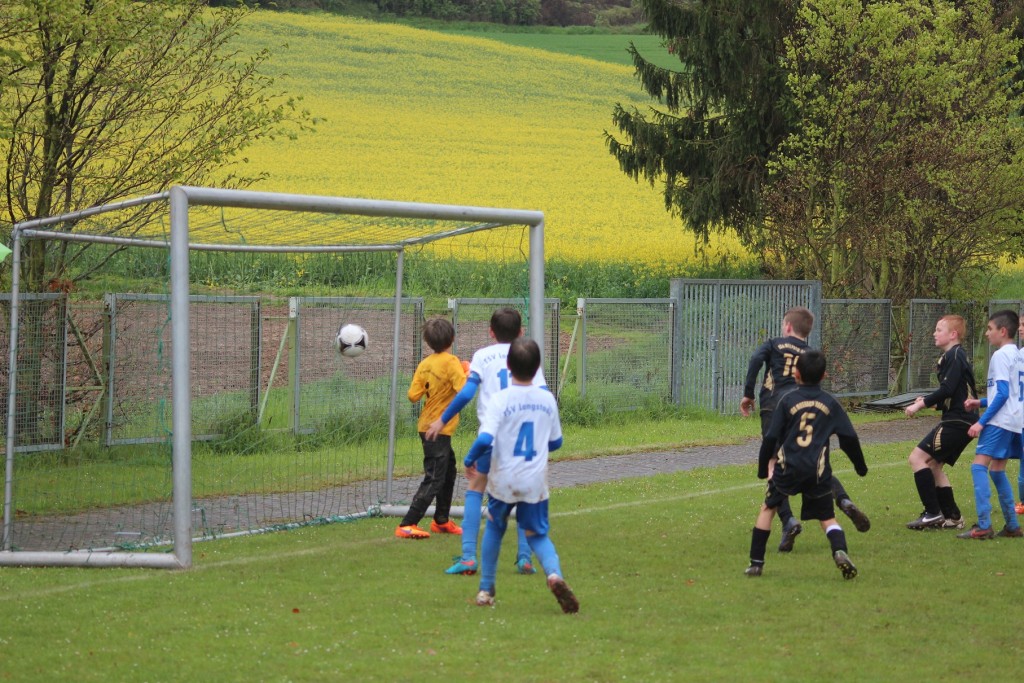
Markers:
point(187, 219)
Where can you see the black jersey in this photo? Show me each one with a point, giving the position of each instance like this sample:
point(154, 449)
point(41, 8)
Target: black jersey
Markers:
point(956, 385)
point(804, 421)
point(778, 357)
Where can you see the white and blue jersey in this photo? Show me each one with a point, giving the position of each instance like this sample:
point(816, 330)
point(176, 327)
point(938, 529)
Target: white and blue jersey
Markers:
point(524, 423)
point(490, 367)
point(1005, 399)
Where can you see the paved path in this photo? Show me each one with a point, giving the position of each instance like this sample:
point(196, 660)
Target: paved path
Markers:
point(615, 467)
point(228, 514)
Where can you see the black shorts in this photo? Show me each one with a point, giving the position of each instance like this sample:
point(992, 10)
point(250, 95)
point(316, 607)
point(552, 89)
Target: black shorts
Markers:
point(946, 442)
point(816, 495)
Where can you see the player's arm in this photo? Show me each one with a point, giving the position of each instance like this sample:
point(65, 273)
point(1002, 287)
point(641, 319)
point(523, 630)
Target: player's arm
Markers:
point(555, 444)
point(479, 448)
point(994, 403)
point(948, 386)
point(769, 445)
point(465, 395)
point(849, 442)
point(418, 387)
point(757, 361)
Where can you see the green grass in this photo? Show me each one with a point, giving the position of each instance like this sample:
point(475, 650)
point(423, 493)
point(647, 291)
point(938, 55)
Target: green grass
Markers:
point(603, 47)
point(657, 564)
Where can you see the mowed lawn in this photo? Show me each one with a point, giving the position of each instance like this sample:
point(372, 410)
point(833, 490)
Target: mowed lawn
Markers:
point(656, 562)
point(410, 114)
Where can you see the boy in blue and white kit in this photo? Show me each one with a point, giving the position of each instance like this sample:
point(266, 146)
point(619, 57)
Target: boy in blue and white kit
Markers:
point(488, 375)
point(518, 431)
point(999, 428)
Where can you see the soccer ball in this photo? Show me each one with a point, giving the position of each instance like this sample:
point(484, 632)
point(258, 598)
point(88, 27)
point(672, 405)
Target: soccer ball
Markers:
point(351, 340)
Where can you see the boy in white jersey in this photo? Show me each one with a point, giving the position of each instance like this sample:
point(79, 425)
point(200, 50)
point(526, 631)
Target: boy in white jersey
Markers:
point(998, 429)
point(522, 425)
point(488, 373)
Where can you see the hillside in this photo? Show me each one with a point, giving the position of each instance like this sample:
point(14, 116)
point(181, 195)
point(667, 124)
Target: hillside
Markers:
point(409, 114)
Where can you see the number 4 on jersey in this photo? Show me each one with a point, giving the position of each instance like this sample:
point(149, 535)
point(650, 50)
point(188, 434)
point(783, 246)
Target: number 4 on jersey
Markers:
point(524, 442)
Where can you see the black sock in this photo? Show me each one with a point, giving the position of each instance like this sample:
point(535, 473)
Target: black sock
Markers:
point(837, 539)
point(785, 512)
point(758, 543)
point(947, 503)
point(925, 481)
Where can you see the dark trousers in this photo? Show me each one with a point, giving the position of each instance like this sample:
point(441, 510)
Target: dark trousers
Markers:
point(438, 481)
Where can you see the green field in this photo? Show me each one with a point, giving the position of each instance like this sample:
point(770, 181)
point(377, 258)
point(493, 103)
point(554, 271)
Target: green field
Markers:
point(656, 562)
point(602, 47)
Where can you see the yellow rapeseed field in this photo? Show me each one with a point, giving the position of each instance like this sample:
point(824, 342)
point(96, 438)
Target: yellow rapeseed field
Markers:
point(414, 115)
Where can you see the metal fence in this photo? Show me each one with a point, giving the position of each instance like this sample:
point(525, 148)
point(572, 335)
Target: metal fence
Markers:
point(625, 356)
point(225, 341)
point(719, 324)
point(856, 337)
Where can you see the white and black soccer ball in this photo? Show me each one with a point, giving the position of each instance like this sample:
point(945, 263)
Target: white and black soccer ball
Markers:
point(351, 340)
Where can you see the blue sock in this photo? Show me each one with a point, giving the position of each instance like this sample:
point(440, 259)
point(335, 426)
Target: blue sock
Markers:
point(544, 549)
point(523, 549)
point(1005, 493)
point(471, 523)
point(982, 495)
point(490, 548)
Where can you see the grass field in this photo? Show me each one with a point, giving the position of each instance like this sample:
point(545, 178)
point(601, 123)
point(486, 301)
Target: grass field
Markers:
point(656, 562)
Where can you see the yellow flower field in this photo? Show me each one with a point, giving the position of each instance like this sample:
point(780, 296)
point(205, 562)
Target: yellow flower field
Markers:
point(413, 115)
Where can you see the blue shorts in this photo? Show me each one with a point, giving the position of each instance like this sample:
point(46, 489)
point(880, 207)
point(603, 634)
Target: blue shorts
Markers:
point(998, 443)
point(530, 516)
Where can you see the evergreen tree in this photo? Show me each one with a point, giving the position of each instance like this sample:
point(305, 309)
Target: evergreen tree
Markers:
point(725, 110)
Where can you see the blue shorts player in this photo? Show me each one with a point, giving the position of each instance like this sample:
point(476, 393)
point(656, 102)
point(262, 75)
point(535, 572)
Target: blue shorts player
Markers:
point(519, 429)
point(998, 429)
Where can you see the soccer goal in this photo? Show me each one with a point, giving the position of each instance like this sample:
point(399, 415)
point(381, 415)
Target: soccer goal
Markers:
point(139, 422)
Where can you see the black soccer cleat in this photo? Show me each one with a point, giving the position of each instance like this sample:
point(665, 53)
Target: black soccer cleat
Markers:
point(845, 564)
point(754, 570)
point(789, 534)
point(860, 520)
point(927, 521)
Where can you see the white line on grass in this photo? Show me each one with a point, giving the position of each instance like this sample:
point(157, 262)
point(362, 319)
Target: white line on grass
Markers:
point(305, 552)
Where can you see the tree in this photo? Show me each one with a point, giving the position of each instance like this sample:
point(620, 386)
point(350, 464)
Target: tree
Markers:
point(724, 112)
point(102, 101)
point(903, 175)
point(105, 100)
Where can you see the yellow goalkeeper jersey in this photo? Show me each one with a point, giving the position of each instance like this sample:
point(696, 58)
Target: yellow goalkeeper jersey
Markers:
point(439, 377)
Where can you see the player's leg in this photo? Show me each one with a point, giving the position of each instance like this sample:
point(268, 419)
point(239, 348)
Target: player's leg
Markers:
point(443, 501)
point(433, 476)
point(947, 501)
point(842, 498)
point(523, 552)
point(763, 528)
point(817, 504)
point(997, 472)
point(533, 517)
point(471, 515)
point(924, 479)
point(494, 531)
point(982, 491)
point(791, 527)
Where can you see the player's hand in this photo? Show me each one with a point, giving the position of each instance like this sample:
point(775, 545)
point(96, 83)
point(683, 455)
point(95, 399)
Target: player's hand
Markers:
point(862, 471)
point(746, 406)
point(471, 472)
point(433, 430)
point(975, 429)
point(972, 404)
point(918, 403)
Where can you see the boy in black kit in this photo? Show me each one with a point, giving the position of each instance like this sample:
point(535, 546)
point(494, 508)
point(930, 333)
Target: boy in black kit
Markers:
point(798, 437)
point(944, 444)
point(778, 357)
